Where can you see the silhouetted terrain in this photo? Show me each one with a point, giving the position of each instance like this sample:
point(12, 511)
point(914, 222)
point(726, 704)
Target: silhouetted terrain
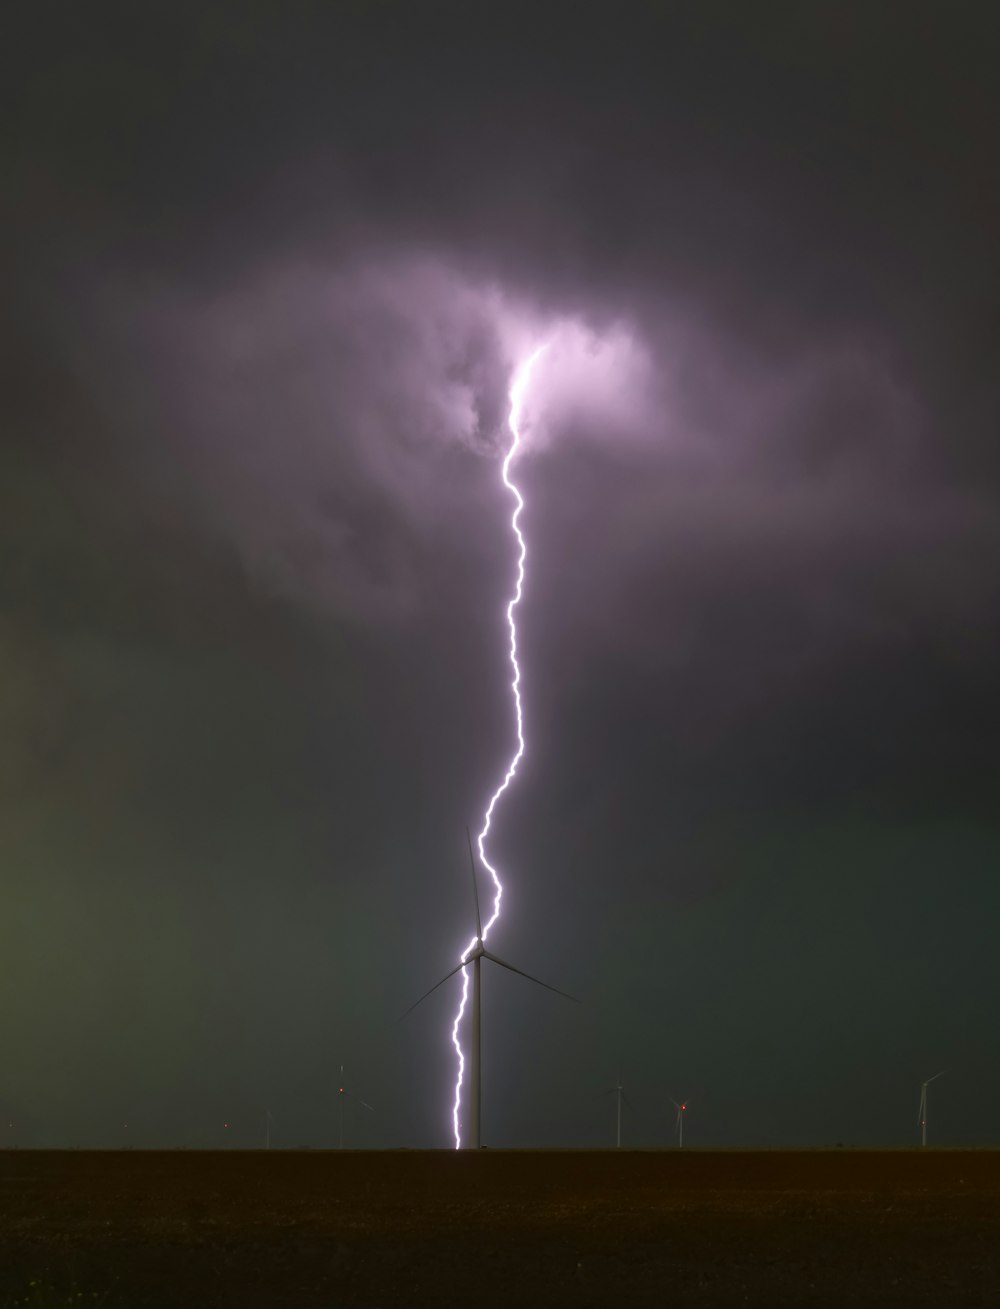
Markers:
point(384, 1229)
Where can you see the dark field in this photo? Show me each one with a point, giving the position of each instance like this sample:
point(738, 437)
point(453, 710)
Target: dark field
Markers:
point(500, 1228)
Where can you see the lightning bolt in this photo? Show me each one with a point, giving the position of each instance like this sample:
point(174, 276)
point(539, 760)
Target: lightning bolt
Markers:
point(518, 389)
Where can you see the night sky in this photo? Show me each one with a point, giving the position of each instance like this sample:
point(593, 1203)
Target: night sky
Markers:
point(267, 273)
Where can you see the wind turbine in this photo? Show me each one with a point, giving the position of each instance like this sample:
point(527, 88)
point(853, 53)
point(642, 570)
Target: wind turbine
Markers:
point(618, 1091)
point(268, 1120)
point(475, 956)
point(922, 1111)
point(342, 1095)
point(681, 1111)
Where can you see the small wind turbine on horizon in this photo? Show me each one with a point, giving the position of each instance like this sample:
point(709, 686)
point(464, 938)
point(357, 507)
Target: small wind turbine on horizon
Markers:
point(268, 1120)
point(922, 1111)
point(618, 1091)
point(681, 1111)
point(342, 1095)
point(474, 960)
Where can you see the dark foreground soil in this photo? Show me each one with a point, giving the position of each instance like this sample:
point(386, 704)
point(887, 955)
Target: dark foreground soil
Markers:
point(511, 1229)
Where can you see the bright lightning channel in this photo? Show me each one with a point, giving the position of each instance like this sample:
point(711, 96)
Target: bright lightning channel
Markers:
point(518, 389)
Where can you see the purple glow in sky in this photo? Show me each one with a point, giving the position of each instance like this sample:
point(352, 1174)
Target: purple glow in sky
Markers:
point(269, 282)
point(518, 388)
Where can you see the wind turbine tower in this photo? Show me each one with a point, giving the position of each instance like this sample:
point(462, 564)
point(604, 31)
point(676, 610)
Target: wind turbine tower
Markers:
point(681, 1111)
point(922, 1112)
point(618, 1091)
point(342, 1095)
point(474, 958)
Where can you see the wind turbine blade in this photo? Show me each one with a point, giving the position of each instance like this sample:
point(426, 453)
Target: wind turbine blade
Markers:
point(364, 1104)
point(521, 973)
point(457, 969)
point(934, 1078)
point(475, 888)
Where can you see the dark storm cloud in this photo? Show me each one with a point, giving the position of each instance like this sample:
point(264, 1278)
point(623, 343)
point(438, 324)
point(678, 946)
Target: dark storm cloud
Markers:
point(269, 269)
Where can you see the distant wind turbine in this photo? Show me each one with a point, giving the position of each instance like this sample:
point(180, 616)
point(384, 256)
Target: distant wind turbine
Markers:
point(268, 1120)
point(618, 1091)
point(342, 1095)
point(681, 1111)
point(922, 1111)
point(474, 958)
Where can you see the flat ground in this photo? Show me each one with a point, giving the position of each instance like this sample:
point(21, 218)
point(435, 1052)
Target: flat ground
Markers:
point(317, 1228)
